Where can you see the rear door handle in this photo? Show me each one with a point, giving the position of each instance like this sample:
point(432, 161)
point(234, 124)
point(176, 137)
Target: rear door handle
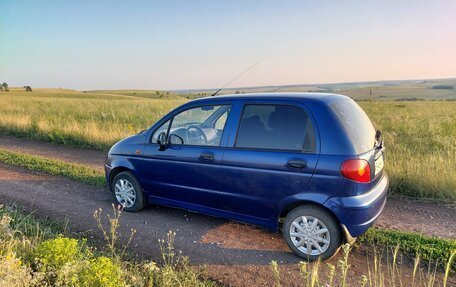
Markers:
point(207, 156)
point(296, 164)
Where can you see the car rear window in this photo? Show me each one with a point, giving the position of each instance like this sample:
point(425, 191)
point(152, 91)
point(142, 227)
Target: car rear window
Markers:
point(356, 123)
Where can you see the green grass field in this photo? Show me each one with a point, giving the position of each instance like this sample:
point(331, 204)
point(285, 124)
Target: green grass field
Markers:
point(420, 136)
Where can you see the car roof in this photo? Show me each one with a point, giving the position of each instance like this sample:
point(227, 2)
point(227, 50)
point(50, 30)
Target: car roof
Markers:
point(323, 97)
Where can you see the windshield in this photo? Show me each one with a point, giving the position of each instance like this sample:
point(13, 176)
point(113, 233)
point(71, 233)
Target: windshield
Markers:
point(356, 123)
point(193, 116)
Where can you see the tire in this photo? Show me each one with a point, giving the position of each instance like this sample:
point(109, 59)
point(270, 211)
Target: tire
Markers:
point(328, 241)
point(131, 197)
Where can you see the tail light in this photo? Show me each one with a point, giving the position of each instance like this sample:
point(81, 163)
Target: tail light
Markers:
point(356, 170)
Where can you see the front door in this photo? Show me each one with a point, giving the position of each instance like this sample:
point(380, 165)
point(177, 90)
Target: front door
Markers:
point(187, 170)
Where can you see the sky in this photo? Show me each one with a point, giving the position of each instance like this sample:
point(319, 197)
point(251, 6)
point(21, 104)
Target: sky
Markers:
point(204, 44)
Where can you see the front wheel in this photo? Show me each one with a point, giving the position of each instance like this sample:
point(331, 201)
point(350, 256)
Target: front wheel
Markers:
point(312, 233)
point(127, 192)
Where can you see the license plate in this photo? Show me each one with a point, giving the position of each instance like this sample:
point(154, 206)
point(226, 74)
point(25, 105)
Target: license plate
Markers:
point(379, 164)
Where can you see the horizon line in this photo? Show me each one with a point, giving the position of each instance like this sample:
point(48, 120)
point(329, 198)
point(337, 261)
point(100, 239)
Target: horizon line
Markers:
point(244, 87)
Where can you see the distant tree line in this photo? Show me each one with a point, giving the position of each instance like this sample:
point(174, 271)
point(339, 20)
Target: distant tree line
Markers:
point(443, 87)
point(4, 87)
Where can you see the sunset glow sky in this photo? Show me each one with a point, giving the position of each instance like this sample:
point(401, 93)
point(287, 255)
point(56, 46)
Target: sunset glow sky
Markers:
point(203, 44)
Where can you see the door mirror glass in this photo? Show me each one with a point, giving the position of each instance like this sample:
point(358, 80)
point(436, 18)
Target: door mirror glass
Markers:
point(161, 140)
point(175, 139)
point(162, 129)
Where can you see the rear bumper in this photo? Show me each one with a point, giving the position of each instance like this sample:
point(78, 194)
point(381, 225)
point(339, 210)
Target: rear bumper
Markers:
point(357, 213)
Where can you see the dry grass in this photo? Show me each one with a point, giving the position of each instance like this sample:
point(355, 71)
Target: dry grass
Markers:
point(382, 272)
point(87, 121)
point(420, 139)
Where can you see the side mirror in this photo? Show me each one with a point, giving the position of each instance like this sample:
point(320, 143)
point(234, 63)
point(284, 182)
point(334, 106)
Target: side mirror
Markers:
point(161, 140)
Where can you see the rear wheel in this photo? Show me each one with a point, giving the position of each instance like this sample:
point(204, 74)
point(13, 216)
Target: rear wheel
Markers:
point(127, 192)
point(312, 233)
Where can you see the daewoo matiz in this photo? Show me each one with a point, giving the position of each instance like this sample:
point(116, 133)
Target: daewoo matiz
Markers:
point(310, 165)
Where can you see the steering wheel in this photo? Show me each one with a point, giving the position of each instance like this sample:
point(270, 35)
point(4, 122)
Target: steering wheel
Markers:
point(197, 134)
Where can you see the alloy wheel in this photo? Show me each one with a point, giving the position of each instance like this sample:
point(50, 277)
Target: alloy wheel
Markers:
point(125, 192)
point(310, 235)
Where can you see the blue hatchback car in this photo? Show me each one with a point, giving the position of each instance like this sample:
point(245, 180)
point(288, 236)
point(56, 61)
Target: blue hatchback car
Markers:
point(308, 164)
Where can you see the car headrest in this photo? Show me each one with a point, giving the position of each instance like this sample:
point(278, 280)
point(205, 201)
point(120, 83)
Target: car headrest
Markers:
point(252, 123)
point(282, 117)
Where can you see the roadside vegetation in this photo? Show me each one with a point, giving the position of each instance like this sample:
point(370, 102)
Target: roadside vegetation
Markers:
point(419, 136)
point(428, 248)
point(53, 167)
point(36, 252)
point(381, 272)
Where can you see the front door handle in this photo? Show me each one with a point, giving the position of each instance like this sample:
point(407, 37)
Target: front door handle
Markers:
point(296, 164)
point(207, 156)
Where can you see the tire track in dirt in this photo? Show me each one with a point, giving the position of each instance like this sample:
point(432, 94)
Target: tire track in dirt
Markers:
point(427, 218)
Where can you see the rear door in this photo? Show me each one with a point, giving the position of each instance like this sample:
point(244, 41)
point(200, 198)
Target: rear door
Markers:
point(271, 156)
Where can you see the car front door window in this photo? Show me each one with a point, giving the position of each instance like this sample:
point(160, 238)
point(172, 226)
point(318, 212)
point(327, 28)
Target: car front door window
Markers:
point(195, 126)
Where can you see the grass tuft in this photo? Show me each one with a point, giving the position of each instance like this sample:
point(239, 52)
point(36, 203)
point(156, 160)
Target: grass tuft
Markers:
point(53, 167)
point(429, 248)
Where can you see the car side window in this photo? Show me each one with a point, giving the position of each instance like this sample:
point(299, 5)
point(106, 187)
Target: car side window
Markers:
point(277, 127)
point(202, 126)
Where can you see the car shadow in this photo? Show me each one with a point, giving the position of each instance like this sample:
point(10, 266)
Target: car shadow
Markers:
point(205, 239)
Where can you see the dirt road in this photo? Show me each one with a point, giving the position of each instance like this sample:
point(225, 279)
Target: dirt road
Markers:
point(400, 214)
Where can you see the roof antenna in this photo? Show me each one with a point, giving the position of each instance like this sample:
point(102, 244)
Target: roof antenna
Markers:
point(235, 78)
